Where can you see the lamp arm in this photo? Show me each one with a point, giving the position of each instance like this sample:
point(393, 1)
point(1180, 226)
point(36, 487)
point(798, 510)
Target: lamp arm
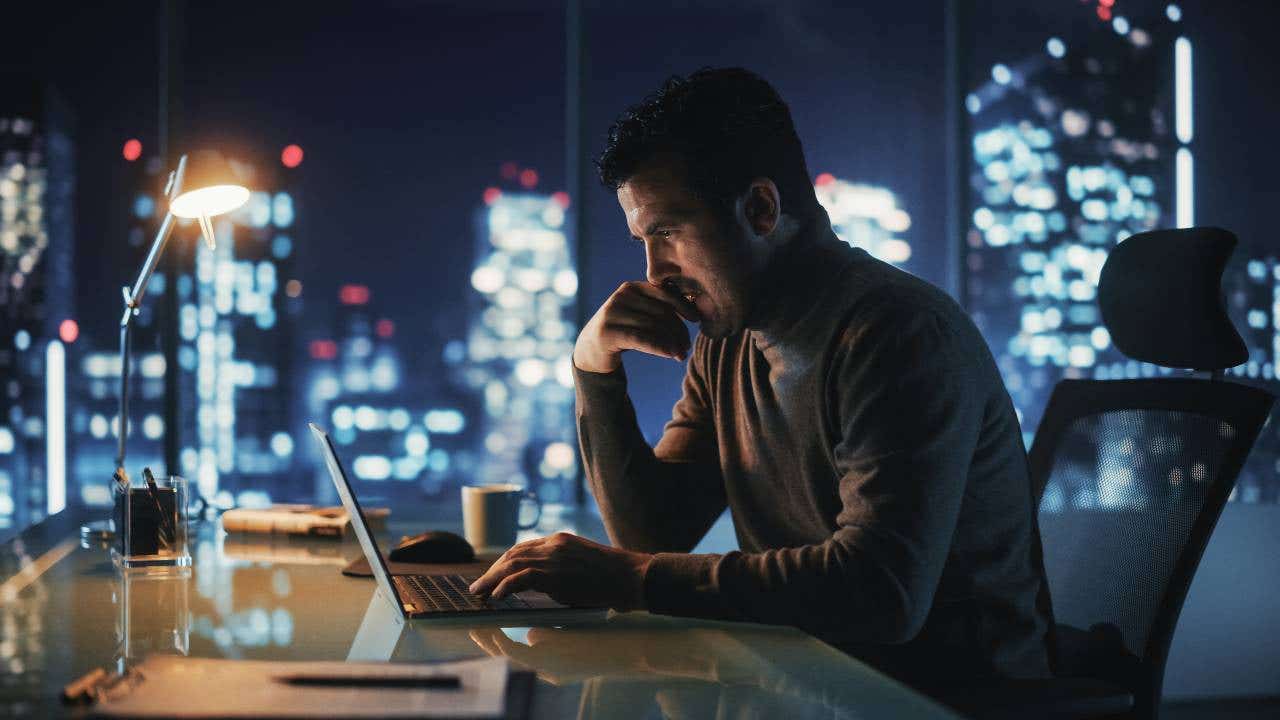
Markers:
point(132, 301)
point(134, 298)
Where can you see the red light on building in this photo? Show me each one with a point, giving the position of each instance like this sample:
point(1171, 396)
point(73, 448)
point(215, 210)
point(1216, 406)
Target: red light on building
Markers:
point(528, 178)
point(354, 294)
point(384, 328)
point(132, 149)
point(561, 198)
point(323, 349)
point(69, 330)
point(509, 170)
point(491, 195)
point(1106, 3)
point(291, 156)
point(824, 179)
point(1104, 12)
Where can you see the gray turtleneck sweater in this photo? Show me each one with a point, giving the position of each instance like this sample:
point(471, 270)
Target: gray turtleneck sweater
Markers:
point(862, 439)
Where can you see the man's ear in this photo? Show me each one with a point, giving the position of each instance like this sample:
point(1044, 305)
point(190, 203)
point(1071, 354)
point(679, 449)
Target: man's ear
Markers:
point(762, 206)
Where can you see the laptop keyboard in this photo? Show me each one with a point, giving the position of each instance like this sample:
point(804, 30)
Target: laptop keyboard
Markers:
point(449, 593)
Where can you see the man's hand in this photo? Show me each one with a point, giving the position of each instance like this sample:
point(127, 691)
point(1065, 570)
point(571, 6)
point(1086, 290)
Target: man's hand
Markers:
point(572, 570)
point(637, 316)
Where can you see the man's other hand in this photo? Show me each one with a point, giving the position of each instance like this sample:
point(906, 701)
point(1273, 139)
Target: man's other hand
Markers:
point(637, 316)
point(572, 570)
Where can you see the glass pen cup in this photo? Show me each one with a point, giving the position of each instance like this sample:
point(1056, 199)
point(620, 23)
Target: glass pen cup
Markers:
point(151, 524)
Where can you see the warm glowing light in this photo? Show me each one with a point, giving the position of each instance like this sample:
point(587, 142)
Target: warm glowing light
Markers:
point(293, 288)
point(209, 201)
point(132, 149)
point(354, 294)
point(561, 198)
point(491, 195)
point(528, 178)
point(487, 279)
point(385, 328)
point(291, 156)
point(324, 349)
point(824, 179)
point(559, 455)
point(69, 330)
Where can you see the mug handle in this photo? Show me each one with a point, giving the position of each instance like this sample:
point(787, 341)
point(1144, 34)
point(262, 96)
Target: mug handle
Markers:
point(532, 497)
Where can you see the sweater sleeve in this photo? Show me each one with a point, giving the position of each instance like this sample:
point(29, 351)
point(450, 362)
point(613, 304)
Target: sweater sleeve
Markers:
point(651, 499)
point(905, 402)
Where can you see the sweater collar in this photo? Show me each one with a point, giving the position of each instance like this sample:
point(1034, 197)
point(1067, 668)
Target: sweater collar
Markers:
point(796, 278)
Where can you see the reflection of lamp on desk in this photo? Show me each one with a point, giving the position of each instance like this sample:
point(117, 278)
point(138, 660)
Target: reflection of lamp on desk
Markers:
point(198, 190)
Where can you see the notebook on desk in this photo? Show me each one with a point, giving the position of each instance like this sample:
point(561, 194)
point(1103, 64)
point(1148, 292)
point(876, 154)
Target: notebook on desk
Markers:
point(432, 595)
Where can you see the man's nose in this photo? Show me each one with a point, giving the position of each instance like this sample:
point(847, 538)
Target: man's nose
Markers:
point(658, 267)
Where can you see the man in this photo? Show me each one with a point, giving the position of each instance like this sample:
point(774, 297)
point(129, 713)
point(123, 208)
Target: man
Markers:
point(848, 414)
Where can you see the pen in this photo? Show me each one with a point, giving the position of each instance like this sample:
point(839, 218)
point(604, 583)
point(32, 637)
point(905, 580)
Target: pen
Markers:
point(438, 682)
point(166, 529)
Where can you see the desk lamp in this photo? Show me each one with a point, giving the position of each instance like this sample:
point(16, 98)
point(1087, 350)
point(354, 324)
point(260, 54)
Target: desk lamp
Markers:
point(197, 190)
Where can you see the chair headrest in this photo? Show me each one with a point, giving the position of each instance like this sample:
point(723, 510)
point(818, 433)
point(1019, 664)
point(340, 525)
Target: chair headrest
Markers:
point(1160, 293)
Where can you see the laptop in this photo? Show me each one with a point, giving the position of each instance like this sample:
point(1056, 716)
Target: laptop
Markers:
point(433, 595)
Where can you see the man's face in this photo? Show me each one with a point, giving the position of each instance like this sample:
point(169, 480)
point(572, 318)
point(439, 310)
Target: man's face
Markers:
point(705, 264)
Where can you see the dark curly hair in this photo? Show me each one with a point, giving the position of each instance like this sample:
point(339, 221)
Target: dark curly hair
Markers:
point(728, 125)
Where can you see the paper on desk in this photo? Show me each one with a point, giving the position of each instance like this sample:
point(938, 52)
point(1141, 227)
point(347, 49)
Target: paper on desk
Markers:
point(201, 688)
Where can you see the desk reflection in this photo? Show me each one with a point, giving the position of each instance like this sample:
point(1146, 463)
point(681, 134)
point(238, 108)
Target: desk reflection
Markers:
point(280, 599)
point(154, 615)
point(636, 665)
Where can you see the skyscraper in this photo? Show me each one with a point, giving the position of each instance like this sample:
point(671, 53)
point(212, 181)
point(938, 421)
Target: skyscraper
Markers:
point(404, 432)
point(520, 344)
point(36, 278)
point(1073, 149)
point(237, 349)
point(865, 216)
point(1252, 287)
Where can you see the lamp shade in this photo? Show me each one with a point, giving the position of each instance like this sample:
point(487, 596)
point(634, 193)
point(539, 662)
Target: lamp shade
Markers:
point(207, 187)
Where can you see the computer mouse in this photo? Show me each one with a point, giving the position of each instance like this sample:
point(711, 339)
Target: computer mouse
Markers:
point(433, 546)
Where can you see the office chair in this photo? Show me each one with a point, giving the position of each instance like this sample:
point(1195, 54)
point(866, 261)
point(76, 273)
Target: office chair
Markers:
point(1130, 477)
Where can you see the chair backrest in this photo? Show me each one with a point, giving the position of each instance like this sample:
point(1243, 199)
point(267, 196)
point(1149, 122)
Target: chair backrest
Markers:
point(1130, 476)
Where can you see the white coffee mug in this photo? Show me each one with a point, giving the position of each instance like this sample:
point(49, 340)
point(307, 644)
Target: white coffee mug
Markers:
point(491, 515)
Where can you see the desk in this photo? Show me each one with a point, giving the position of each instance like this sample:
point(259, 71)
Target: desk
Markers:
point(66, 610)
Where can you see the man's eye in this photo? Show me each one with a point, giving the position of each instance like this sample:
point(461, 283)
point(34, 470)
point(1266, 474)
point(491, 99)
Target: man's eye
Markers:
point(664, 234)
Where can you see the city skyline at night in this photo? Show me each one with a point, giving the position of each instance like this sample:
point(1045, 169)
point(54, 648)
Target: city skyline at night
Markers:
point(1074, 148)
point(37, 179)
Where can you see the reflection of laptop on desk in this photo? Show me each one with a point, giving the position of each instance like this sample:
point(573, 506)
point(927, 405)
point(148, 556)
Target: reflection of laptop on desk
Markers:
point(440, 595)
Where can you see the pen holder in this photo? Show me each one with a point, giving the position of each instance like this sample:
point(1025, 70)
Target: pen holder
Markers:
point(151, 524)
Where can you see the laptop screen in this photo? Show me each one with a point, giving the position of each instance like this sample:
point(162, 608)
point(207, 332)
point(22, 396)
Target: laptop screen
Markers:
point(367, 543)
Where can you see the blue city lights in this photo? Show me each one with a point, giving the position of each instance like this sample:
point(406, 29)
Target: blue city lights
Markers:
point(143, 206)
point(282, 210)
point(519, 343)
